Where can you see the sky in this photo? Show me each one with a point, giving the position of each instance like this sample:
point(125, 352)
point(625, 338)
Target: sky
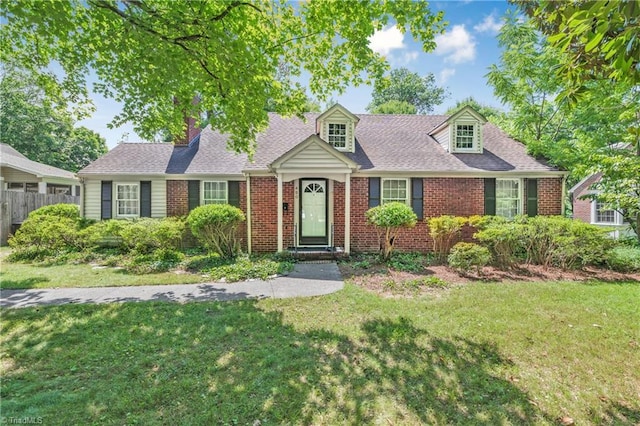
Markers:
point(459, 63)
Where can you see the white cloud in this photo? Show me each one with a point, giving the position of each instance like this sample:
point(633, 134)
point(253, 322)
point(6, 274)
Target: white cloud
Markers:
point(384, 41)
point(401, 59)
point(489, 24)
point(445, 74)
point(456, 46)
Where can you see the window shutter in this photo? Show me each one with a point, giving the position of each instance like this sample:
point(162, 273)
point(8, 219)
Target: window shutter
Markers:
point(145, 199)
point(532, 197)
point(416, 197)
point(374, 192)
point(234, 193)
point(105, 200)
point(490, 196)
point(194, 194)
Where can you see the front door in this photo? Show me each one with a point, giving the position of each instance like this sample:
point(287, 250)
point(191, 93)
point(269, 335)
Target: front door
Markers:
point(313, 214)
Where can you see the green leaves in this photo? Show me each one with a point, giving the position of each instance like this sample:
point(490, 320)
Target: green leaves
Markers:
point(148, 54)
point(404, 89)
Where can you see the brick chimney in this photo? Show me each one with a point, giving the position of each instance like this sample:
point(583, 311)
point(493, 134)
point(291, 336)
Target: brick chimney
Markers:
point(191, 130)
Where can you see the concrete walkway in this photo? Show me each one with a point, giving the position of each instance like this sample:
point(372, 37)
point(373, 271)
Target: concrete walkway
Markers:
point(306, 279)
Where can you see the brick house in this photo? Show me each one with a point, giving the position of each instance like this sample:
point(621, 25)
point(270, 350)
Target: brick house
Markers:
point(311, 181)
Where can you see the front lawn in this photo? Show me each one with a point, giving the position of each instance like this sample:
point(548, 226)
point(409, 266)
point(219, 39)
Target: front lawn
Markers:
point(480, 353)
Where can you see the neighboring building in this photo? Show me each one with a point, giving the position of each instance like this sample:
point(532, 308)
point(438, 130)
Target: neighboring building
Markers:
point(590, 210)
point(310, 182)
point(18, 173)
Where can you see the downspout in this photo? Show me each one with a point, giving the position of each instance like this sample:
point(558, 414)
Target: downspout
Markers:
point(82, 191)
point(248, 188)
point(564, 196)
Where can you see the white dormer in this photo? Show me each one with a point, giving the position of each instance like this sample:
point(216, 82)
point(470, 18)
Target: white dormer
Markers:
point(337, 127)
point(461, 132)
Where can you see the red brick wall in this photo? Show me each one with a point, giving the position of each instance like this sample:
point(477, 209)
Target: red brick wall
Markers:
point(549, 196)
point(178, 203)
point(177, 197)
point(582, 207)
point(264, 214)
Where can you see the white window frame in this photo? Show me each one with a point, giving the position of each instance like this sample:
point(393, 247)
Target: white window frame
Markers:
point(617, 217)
point(384, 200)
point(205, 200)
point(117, 200)
point(519, 199)
point(332, 138)
point(475, 137)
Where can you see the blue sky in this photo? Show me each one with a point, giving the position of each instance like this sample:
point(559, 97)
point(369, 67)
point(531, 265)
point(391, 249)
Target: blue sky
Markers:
point(459, 63)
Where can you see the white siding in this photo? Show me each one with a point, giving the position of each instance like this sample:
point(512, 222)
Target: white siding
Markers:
point(313, 157)
point(158, 198)
point(13, 175)
point(443, 138)
point(91, 198)
point(339, 118)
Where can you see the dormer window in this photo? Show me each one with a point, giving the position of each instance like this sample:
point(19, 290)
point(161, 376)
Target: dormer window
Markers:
point(337, 135)
point(465, 136)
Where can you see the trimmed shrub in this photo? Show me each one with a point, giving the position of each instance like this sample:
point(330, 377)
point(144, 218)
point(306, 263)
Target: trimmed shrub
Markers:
point(504, 241)
point(215, 226)
point(389, 219)
point(624, 259)
point(465, 256)
point(444, 230)
point(47, 231)
point(147, 235)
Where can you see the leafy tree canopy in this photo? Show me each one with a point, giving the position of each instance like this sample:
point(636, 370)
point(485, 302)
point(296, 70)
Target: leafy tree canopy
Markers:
point(493, 114)
point(41, 129)
point(600, 39)
point(408, 87)
point(146, 53)
point(394, 107)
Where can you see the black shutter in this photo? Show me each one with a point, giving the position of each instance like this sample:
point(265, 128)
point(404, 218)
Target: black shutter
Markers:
point(234, 193)
point(490, 196)
point(374, 192)
point(145, 199)
point(194, 194)
point(416, 197)
point(532, 197)
point(105, 200)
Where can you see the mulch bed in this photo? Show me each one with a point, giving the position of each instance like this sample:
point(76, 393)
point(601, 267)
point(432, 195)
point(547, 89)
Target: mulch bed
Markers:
point(377, 277)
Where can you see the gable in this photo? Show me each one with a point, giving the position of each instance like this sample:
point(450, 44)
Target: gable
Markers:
point(313, 154)
point(461, 132)
point(336, 126)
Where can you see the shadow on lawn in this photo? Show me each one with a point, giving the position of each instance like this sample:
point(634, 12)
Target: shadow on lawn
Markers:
point(233, 363)
point(21, 284)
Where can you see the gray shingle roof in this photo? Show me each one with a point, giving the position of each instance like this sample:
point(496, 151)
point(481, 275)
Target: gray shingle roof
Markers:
point(384, 143)
point(10, 157)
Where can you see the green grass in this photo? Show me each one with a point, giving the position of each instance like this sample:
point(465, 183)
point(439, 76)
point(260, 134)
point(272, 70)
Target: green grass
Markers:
point(476, 354)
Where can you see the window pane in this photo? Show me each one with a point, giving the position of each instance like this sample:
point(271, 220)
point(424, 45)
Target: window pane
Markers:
point(127, 200)
point(337, 135)
point(215, 193)
point(508, 198)
point(604, 215)
point(464, 136)
point(394, 190)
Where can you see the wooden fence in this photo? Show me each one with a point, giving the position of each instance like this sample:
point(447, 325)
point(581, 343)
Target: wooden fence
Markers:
point(16, 206)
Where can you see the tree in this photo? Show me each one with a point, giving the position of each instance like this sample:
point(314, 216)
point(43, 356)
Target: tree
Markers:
point(389, 219)
point(405, 86)
point(492, 114)
point(41, 129)
point(394, 107)
point(146, 53)
point(599, 39)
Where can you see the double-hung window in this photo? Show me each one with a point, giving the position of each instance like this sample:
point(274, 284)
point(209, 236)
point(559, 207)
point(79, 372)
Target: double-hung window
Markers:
point(465, 137)
point(603, 215)
point(127, 200)
point(215, 192)
point(337, 135)
point(508, 198)
point(395, 190)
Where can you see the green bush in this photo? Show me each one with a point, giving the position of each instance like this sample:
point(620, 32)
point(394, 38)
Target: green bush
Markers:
point(46, 232)
point(147, 235)
point(624, 259)
point(444, 230)
point(70, 211)
point(245, 268)
point(215, 226)
point(408, 262)
point(545, 240)
point(465, 256)
point(389, 219)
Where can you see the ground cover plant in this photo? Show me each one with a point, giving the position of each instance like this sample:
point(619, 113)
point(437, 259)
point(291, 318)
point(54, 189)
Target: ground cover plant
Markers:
point(530, 353)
